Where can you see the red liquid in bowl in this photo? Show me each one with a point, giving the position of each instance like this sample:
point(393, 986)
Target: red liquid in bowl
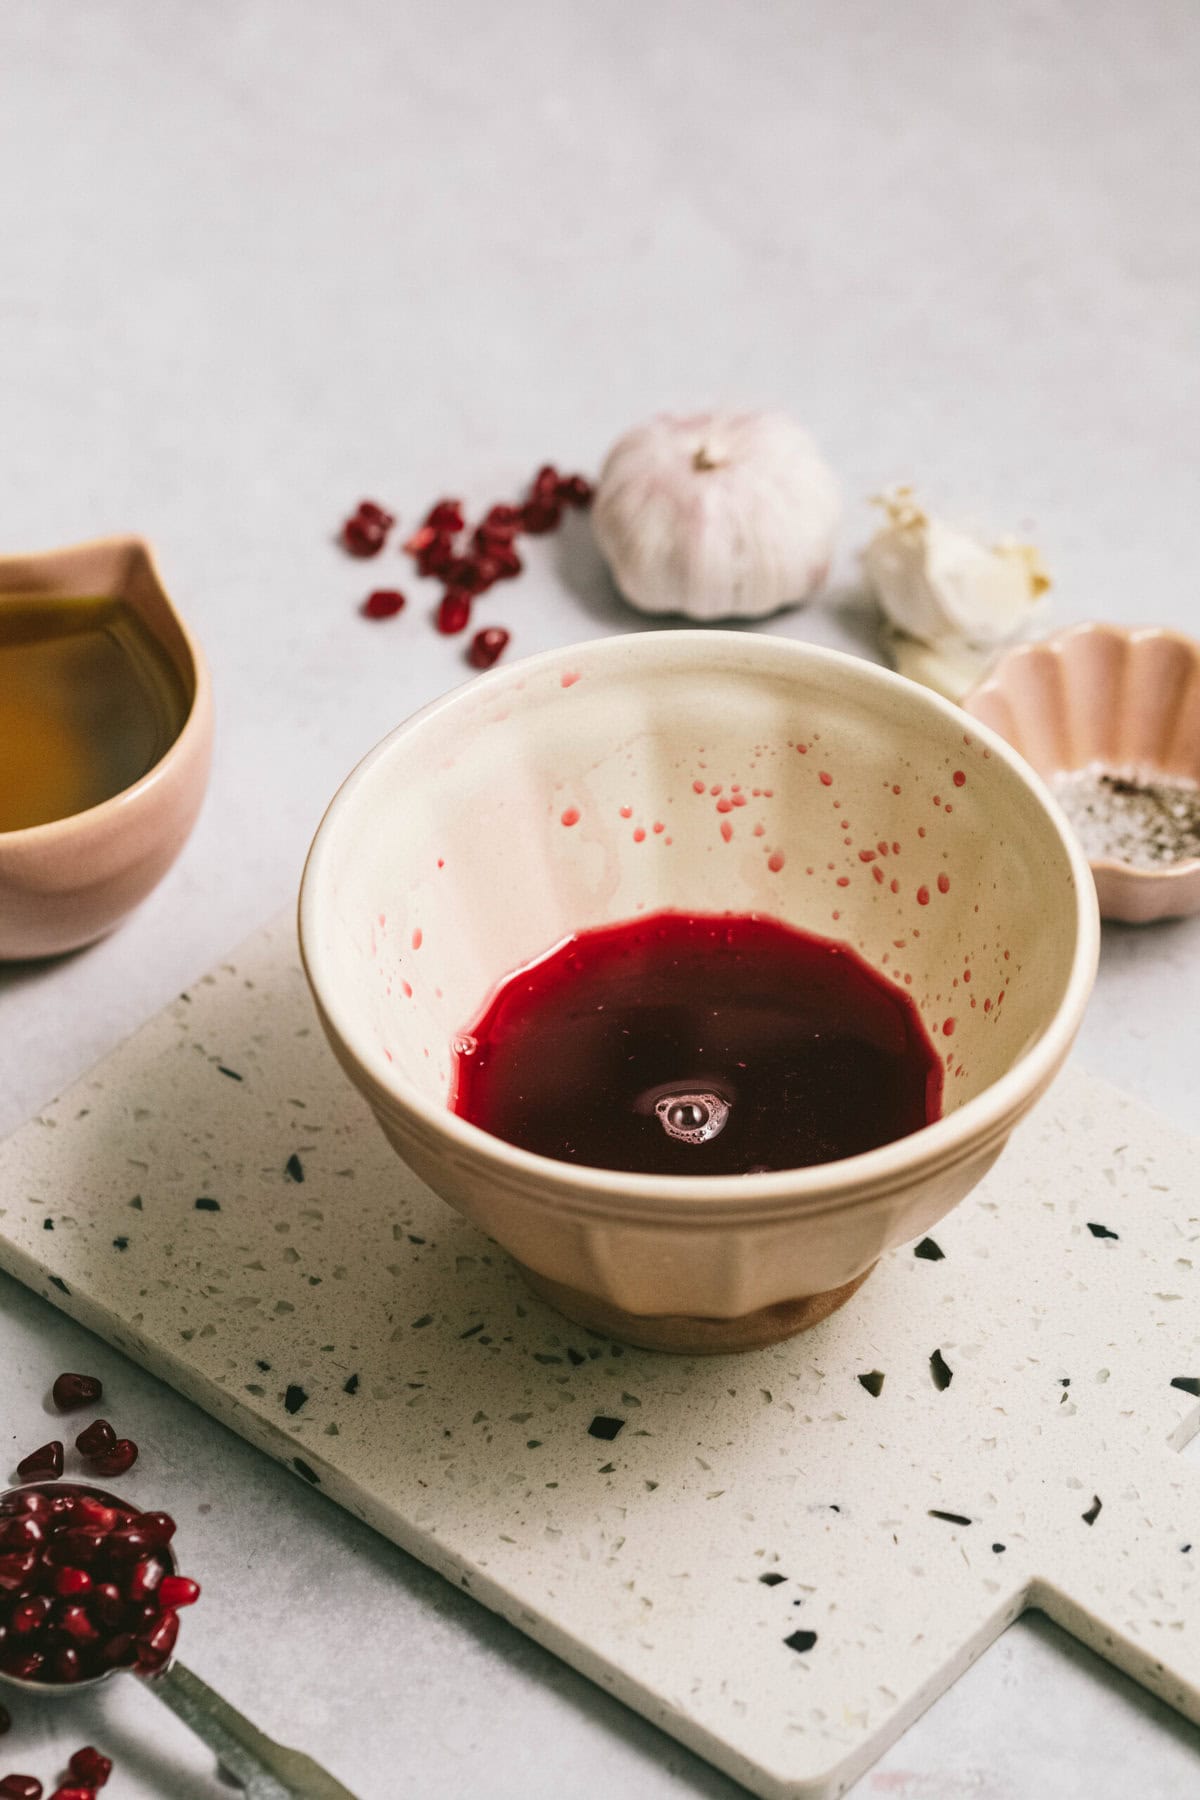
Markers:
point(698, 1045)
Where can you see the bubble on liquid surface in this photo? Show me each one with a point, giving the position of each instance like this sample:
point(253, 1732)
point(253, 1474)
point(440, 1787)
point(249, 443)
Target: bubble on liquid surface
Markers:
point(465, 1045)
point(692, 1118)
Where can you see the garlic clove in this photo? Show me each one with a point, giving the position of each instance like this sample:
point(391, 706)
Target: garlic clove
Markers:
point(950, 667)
point(934, 581)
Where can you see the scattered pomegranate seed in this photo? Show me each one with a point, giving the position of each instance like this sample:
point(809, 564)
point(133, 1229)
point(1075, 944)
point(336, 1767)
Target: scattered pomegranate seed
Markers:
point(96, 1439)
point(575, 490)
point(502, 518)
point(44, 1464)
point(73, 1791)
point(539, 516)
point(361, 537)
point(454, 613)
point(176, 1590)
point(384, 603)
point(20, 1787)
point(545, 482)
point(376, 515)
point(122, 1456)
point(87, 1765)
point(487, 647)
point(446, 517)
point(74, 1391)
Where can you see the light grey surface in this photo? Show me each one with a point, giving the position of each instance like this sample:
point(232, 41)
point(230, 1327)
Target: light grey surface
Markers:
point(264, 259)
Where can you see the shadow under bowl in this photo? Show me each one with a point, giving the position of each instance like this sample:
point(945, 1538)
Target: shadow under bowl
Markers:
point(582, 788)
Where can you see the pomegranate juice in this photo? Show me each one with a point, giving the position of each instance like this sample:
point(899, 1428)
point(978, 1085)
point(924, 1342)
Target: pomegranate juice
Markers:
point(684, 1045)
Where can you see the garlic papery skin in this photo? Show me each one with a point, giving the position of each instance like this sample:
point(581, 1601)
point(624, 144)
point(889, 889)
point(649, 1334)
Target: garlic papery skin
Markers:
point(721, 515)
point(936, 582)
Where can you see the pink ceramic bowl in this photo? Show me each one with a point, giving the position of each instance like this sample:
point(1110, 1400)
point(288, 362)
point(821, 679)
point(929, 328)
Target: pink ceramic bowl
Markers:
point(527, 805)
point(65, 883)
point(1126, 701)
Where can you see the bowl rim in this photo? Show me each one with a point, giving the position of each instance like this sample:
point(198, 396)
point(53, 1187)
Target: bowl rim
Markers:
point(945, 1142)
point(1057, 642)
point(33, 838)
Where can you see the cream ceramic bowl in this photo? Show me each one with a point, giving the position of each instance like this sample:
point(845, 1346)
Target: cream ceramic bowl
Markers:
point(66, 883)
point(1124, 700)
point(584, 787)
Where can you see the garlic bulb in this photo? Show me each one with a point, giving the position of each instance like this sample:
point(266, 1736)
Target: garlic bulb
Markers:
point(716, 516)
point(935, 582)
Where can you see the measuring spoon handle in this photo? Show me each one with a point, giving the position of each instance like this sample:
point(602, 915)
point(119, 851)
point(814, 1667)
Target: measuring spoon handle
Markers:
point(266, 1770)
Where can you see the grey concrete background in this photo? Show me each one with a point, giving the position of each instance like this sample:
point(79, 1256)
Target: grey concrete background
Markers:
point(258, 260)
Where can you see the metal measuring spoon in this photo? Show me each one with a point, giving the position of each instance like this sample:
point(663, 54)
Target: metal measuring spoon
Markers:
point(265, 1769)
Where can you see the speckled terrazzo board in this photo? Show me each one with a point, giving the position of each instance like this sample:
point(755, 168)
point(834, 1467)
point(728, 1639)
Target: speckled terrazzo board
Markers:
point(771, 1560)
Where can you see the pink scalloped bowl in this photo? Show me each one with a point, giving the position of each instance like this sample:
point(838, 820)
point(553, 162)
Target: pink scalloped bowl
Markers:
point(1117, 698)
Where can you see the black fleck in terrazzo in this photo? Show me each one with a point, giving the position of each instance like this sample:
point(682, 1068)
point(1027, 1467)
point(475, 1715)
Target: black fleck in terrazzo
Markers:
point(735, 1535)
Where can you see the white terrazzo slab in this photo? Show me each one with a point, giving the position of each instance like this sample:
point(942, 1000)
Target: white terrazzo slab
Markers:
point(215, 1200)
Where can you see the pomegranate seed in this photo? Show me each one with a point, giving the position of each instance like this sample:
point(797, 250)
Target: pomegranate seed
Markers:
point(19, 1534)
point(177, 1590)
point(384, 603)
point(73, 1619)
point(127, 1543)
point(5, 1720)
point(446, 516)
point(376, 515)
point(454, 612)
point(437, 558)
point(73, 1791)
point(508, 564)
point(20, 1787)
point(539, 516)
point(70, 1583)
point(93, 1512)
point(89, 1766)
point(28, 1616)
point(575, 490)
point(122, 1456)
point(487, 647)
point(75, 1548)
point(68, 1665)
point(156, 1647)
point(546, 483)
point(16, 1566)
point(96, 1439)
point(74, 1391)
point(502, 518)
point(362, 538)
point(156, 1527)
point(24, 1664)
point(35, 1505)
point(43, 1464)
point(118, 1651)
point(107, 1604)
point(145, 1578)
point(421, 539)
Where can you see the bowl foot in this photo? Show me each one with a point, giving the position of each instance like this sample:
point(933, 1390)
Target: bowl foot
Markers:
point(687, 1336)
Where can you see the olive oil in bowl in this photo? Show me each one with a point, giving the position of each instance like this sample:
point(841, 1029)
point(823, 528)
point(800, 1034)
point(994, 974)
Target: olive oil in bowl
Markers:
point(89, 702)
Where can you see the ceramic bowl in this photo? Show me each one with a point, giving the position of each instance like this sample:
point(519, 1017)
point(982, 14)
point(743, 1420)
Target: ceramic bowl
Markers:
point(65, 883)
point(528, 805)
point(1127, 701)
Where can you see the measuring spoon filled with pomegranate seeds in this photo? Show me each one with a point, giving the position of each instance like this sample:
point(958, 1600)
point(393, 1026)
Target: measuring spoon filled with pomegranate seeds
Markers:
point(90, 1587)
